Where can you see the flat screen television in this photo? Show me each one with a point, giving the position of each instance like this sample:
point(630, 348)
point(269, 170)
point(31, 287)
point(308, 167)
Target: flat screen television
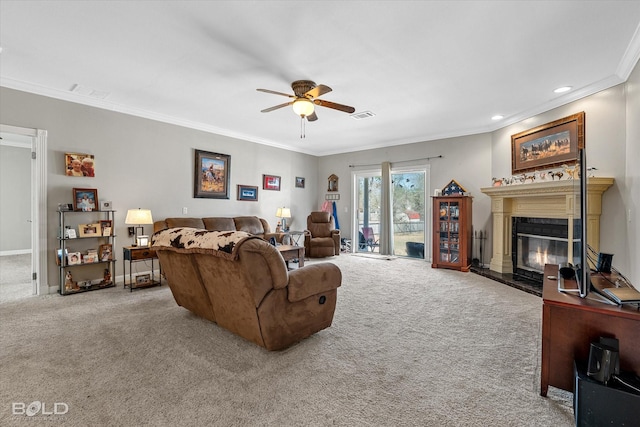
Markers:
point(583, 269)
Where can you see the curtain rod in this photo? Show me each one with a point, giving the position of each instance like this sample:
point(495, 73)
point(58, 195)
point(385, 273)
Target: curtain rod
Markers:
point(401, 161)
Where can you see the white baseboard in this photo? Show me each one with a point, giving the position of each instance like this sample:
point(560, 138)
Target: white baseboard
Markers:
point(16, 252)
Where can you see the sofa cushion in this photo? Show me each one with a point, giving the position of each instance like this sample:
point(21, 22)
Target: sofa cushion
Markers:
point(249, 224)
point(184, 222)
point(219, 224)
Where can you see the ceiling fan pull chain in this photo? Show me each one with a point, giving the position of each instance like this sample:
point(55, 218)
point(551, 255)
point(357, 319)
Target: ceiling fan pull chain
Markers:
point(302, 128)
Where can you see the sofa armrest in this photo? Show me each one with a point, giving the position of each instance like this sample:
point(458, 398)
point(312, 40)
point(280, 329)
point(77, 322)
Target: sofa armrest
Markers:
point(312, 280)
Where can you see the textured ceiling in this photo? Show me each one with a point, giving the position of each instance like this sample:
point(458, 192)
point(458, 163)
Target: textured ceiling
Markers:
point(427, 70)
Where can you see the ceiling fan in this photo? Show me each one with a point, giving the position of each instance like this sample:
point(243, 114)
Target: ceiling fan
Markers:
point(305, 97)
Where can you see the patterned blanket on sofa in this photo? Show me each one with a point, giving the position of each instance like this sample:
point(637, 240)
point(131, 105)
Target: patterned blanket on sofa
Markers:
point(184, 239)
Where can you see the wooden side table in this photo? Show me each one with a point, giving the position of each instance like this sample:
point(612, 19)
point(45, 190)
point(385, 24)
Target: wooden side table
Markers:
point(290, 252)
point(135, 254)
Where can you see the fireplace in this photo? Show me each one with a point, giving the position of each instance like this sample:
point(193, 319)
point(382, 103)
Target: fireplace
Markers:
point(536, 242)
point(549, 199)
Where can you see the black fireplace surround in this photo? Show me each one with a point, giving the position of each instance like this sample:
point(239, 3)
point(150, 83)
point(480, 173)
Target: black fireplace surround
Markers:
point(536, 242)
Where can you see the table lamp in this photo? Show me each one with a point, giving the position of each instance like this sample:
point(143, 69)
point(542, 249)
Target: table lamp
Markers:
point(284, 213)
point(138, 217)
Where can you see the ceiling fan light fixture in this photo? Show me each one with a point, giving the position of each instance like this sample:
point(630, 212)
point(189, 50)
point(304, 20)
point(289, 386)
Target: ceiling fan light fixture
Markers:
point(303, 107)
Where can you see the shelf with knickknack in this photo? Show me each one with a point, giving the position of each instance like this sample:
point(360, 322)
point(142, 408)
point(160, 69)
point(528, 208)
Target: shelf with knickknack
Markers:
point(452, 228)
point(85, 254)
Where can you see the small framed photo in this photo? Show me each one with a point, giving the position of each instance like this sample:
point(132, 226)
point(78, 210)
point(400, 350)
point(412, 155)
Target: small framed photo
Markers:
point(105, 227)
point(248, 192)
point(90, 258)
point(70, 233)
point(299, 182)
point(105, 252)
point(74, 258)
point(89, 230)
point(106, 206)
point(79, 164)
point(271, 182)
point(85, 199)
point(143, 279)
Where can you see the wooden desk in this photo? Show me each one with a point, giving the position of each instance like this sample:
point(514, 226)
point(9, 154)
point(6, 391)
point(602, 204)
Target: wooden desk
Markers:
point(570, 324)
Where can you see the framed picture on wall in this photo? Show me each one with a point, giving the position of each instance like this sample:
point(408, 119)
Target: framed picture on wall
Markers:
point(299, 182)
point(248, 192)
point(211, 175)
point(79, 164)
point(271, 182)
point(548, 146)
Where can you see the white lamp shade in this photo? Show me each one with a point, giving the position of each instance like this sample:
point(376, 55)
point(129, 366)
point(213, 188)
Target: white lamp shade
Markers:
point(138, 217)
point(303, 107)
point(283, 213)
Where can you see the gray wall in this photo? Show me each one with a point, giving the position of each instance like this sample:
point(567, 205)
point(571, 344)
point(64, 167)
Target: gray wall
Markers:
point(631, 197)
point(15, 198)
point(148, 164)
point(606, 144)
point(465, 159)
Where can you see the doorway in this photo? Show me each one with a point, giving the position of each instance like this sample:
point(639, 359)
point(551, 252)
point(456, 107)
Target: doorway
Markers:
point(407, 220)
point(23, 201)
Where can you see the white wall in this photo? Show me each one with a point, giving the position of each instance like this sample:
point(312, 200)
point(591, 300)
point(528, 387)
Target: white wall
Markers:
point(148, 164)
point(15, 198)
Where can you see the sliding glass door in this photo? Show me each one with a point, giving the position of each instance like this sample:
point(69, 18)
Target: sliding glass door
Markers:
point(408, 217)
point(368, 213)
point(409, 212)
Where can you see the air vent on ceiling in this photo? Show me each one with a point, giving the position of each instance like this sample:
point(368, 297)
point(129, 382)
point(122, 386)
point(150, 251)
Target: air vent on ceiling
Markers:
point(362, 115)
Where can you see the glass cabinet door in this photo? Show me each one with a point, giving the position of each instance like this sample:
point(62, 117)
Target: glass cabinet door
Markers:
point(449, 214)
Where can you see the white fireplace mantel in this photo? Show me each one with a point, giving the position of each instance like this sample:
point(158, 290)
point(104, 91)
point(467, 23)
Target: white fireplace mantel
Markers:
point(551, 199)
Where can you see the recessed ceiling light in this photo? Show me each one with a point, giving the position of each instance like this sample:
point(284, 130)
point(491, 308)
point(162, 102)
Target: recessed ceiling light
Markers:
point(497, 117)
point(563, 89)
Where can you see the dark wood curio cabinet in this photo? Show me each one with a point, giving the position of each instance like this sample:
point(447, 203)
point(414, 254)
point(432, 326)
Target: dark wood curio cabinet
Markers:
point(452, 232)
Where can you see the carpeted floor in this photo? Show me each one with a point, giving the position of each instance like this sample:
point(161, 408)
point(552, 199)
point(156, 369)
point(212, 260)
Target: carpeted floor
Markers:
point(15, 277)
point(409, 346)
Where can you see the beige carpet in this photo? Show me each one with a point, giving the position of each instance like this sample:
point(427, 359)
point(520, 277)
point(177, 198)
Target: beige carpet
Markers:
point(410, 346)
point(15, 277)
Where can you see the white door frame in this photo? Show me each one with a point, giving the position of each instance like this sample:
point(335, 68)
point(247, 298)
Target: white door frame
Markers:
point(38, 205)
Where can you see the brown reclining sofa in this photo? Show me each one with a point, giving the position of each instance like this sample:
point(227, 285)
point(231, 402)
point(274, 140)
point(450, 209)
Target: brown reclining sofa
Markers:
point(241, 282)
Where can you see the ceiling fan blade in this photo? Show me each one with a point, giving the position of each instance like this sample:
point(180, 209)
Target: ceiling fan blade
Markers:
point(312, 117)
point(266, 110)
point(333, 105)
point(318, 91)
point(275, 93)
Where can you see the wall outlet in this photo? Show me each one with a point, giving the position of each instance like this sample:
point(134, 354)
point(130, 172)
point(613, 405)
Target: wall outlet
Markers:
point(185, 211)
